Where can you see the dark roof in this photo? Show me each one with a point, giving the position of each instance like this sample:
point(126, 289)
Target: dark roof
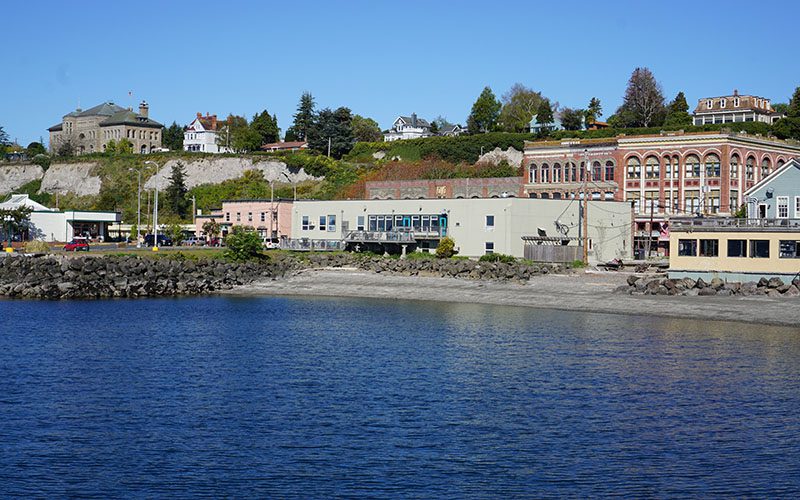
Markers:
point(421, 122)
point(104, 109)
point(126, 117)
point(56, 128)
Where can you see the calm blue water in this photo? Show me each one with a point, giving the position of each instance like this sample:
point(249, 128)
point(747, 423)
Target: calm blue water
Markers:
point(315, 398)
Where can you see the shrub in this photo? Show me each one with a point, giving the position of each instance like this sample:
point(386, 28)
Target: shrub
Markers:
point(446, 248)
point(242, 244)
point(37, 246)
point(498, 257)
point(577, 264)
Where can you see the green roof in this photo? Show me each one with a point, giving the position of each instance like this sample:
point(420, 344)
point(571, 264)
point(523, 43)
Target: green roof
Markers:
point(126, 117)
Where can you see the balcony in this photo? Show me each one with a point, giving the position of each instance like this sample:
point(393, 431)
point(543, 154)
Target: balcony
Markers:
point(402, 237)
point(733, 224)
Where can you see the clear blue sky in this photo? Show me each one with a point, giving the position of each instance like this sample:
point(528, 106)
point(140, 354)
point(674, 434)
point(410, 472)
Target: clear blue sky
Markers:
point(379, 58)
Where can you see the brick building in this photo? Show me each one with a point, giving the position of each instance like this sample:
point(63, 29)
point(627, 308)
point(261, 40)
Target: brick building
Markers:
point(494, 187)
point(669, 174)
point(91, 130)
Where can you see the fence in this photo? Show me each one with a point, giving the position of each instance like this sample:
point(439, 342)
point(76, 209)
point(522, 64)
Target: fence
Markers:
point(309, 245)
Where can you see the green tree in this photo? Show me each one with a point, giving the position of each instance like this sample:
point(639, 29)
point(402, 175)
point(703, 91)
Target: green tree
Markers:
point(290, 135)
point(65, 149)
point(4, 140)
point(176, 191)
point(781, 107)
point(242, 243)
point(485, 112)
point(172, 137)
point(434, 128)
point(211, 228)
point(446, 248)
point(643, 103)
point(267, 127)
point(678, 113)
point(544, 114)
point(572, 119)
point(305, 117)
point(793, 111)
point(335, 126)
point(787, 128)
point(365, 129)
point(441, 123)
point(124, 147)
point(35, 148)
point(229, 129)
point(519, 105)
point(16, 220)
point(594, 111)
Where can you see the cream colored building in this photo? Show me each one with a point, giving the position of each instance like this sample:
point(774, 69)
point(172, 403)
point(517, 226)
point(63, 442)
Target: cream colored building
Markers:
point(91, 130)
point(478, 226)
point(736, 250)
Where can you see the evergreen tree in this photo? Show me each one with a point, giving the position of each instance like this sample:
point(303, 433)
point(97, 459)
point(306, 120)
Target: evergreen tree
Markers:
point(678, 113)
point(335, 126)
point(544, 113)
point(484, 114)
point(794, 105)
point(4, 141)
point(176, 191)
point(172, 137)
point(594, 111)
point(290, 135)
point(266, 126)
point(643, 103)
point(305, 117)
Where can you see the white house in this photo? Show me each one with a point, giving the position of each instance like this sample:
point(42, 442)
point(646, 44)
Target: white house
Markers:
point(55, 225)
point(201, 135)
point(408, 127)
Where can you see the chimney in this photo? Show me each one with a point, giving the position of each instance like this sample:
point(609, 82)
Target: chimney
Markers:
point(413, 119)
point(199, 114)
point(735, 92)
point(213, 122)
point(143, 109)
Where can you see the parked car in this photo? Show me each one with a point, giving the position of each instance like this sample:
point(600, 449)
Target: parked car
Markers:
point(77, 245)
point(163, 240)
point(193, 241)
point(215, 242)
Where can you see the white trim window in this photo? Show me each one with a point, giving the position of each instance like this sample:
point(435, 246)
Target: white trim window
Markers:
point(488, 247)
point(783, 207)
point(709, 104)
point(490, 222)
point(322, 223)
point(797, 207)
point(305, 223)
point(722, 102)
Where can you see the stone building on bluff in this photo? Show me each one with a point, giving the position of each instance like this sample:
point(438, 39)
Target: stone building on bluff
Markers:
point(91, 130)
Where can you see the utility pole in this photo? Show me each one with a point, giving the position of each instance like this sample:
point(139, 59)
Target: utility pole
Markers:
point(587, 171)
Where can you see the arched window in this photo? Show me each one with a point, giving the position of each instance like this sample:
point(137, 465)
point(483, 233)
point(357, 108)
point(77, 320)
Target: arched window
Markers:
point(735, 166)
point(597, 171)
point(750, 168)
point(144, 149)
point(572, 172)
point(609, 170)
point(533, 173)
point(712, 165)
point(651, 167)
point(779, 164)
point(556, 172)
point(692, 163)
point(545, 173)
point(634, 168)
point(765, 167)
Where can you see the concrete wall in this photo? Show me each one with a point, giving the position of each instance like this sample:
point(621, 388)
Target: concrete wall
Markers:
point(610, 223)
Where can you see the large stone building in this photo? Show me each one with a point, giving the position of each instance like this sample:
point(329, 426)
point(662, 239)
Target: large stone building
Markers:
point(663, 175)
point(734, 108)
point(90, 131)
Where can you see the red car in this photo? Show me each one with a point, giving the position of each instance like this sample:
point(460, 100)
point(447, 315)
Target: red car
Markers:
point(77, 245)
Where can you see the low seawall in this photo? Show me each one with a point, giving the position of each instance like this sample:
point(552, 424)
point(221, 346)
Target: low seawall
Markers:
point(106, 276)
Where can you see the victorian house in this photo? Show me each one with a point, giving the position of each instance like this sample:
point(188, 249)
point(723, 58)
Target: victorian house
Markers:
point(734, 108)
point(201, 135)
point(90, 131)
point(408, 127)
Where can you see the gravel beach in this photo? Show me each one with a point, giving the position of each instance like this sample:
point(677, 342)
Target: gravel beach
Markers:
point(589, 292)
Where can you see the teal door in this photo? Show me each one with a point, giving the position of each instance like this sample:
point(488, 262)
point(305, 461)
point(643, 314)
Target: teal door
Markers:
point(443, 225)
point(406, 221)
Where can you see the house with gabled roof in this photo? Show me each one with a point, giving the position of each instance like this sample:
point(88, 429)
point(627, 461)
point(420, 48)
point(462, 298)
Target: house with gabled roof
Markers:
point(408, 127)
point(91, 130)
point(201, 135)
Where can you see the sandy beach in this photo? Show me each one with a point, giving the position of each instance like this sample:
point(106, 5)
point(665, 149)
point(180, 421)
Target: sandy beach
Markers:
point(589, 292)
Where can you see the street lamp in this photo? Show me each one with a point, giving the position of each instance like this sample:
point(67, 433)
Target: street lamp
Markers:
point(8, 219)
point(138, 207)
point(155, 206)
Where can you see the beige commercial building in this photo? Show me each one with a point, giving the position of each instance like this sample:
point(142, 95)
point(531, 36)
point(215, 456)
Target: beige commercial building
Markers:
point(478, 226)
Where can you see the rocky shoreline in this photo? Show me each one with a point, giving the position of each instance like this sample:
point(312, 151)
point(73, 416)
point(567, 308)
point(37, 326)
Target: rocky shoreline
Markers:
point(107, 276)
point(774, 287)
